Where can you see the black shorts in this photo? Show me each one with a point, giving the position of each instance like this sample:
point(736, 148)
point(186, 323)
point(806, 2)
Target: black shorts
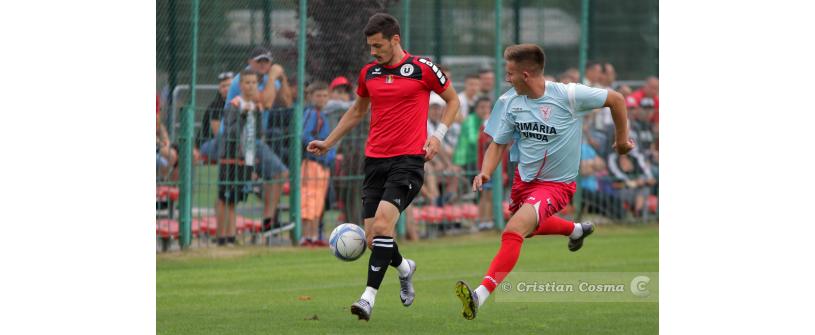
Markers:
point(394, 179)
point(232, 182)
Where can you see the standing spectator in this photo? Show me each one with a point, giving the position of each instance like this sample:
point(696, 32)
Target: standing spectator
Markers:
point(351, 151)
point(594, 74)
point(211, 121)
point(273, 78)
point(647, 97)
point(466, 152)
point(315, 170)
point(571, 75)
point(443, 166)
point(240, 134)
point(166, 153)
point(486, 78)
point(468, 98)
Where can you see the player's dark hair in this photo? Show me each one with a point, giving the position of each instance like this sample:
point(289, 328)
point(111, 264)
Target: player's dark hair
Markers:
point(528, 55)
point(382, 23)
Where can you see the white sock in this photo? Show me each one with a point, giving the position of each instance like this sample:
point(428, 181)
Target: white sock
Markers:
point(404, 268)
point(577, 232)
point(482, 294)
point(369, 295)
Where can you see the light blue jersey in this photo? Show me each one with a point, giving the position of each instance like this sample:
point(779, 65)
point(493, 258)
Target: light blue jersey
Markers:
point(546, 131)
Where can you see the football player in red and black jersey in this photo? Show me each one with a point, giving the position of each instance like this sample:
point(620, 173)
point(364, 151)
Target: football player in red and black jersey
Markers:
point(397, 87)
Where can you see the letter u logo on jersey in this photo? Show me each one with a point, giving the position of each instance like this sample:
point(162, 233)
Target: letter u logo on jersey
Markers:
point(406, 70)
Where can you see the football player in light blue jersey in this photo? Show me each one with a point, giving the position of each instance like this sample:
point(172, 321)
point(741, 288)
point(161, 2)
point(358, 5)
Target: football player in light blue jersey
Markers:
point(543, 121)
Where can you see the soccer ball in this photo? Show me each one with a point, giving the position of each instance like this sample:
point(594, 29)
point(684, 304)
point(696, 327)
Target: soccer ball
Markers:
point(347, 242)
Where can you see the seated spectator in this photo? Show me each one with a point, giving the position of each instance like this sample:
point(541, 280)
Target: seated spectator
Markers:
point(632, 179)
point(486, 78)
point(240, 133)
point(315, 170)
point(595, 198)
point(166, 153)
point(211, 122)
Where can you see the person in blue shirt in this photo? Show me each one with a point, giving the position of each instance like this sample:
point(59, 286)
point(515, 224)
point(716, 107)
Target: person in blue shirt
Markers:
point(543, 121)
point(315, 170)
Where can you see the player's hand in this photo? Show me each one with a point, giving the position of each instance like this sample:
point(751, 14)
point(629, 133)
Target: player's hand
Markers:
point(479, 181)
point(431, 147)
point(318, 148)
point(625, 147)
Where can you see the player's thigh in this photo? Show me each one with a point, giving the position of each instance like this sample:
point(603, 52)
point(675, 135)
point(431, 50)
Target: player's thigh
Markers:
point(373, 186)
point(524, 221)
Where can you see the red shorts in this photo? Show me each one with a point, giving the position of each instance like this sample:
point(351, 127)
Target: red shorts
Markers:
point(548, 197)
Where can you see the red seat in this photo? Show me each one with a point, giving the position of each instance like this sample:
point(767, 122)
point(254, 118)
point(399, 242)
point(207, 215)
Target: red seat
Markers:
point(433, 214)
point(653, 202)
point(470, 211)
point(286, 188)
point(452, 213)
point(167, 192)
point(243, 223)
point(167, 228)
point(417, 213)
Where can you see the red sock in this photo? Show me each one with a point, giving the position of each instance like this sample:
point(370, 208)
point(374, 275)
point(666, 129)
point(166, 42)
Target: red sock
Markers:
point(504, 261)
point(555, 225)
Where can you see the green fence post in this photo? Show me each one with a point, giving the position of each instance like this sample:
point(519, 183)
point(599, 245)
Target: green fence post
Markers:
point(188, 119)
point(584, 45)
point(400, 225)
point(497, 176)
point(297, 141)
point(267, 23)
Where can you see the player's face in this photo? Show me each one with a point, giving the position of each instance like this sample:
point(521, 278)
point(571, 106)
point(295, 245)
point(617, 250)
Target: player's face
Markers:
point(260, 66)
point(319, 98)
point(249, 85)
point(382, 48)
point(516, 77)
point(223, 86)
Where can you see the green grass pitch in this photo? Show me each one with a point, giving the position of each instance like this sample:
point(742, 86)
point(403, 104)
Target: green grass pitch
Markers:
point(252, 290)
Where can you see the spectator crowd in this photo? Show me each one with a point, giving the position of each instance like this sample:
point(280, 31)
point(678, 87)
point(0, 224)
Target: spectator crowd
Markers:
point(245, 130)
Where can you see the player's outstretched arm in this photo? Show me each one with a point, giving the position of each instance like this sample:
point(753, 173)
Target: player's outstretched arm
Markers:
point(491, 159)
point(349, 120)
point(615, 101)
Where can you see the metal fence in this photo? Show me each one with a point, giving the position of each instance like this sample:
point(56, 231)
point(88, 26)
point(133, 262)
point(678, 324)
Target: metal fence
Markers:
point(198, 42)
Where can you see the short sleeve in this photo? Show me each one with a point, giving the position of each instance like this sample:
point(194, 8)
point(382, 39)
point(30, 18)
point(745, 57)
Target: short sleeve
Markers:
point(498, 126)
point(588, 98)
point(362, 90)
point(433, 77)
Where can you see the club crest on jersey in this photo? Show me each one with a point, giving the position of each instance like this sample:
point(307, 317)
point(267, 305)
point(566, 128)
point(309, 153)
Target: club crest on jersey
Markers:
point(546, 111)
point(389, 79)
point(406, 70)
